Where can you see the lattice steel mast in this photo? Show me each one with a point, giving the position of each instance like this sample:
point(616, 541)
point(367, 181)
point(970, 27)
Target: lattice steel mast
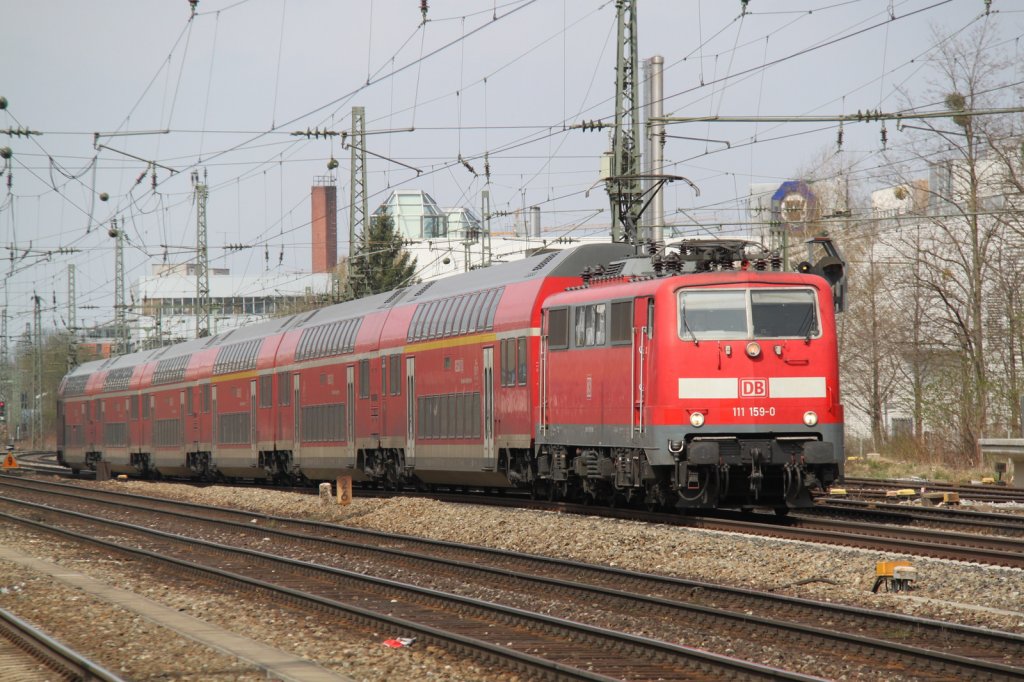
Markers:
point(357, 205)
point(120, 326)
point(624, 188)
point(202, 305)
point(72, 322)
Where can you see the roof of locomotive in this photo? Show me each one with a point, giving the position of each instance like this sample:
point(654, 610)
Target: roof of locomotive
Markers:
point(561, 263)
point(624, 287)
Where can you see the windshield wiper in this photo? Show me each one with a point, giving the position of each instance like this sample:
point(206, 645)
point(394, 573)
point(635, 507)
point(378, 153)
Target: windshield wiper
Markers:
point(810, 324)
point(690, 331)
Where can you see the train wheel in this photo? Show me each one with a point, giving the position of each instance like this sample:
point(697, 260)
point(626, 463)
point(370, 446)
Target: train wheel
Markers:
point(782, 511)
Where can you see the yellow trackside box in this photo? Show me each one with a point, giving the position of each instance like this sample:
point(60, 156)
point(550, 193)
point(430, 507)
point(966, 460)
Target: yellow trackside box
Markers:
point(885, 569)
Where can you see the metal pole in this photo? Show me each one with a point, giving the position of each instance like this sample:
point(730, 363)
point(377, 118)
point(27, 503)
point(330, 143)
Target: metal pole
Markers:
point(358, 201)
point(119, 306)
point(485, 212)
point(656, 147)
point(625, 193)
point(72, 322)
point(37, 382)
point(202, 302)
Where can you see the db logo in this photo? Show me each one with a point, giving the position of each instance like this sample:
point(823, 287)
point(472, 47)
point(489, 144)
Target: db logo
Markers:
point(753, 388)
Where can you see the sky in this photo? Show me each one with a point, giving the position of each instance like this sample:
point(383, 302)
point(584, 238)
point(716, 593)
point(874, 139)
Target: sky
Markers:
point(132, 97)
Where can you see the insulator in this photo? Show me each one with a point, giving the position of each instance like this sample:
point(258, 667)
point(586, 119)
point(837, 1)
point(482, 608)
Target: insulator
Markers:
point(760, 265)
point(776, 263)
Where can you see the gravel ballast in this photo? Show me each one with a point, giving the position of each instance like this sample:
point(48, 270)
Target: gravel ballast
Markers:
point(955, 591)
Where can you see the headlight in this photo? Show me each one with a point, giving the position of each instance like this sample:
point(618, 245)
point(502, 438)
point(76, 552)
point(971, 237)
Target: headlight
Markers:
point(697, 419)
point(810, 418)
point(753, 349)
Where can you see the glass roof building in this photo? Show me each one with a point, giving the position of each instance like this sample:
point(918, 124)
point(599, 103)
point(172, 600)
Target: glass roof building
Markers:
point(416, 214)
point(463, 224)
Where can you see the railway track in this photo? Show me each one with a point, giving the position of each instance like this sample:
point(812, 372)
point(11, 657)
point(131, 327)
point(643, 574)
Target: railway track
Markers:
point(987, 549)
point(27, 653)
point(943, 518)
point(521, 640)
point(888, 534)
point(877, 488)
point(883, 641)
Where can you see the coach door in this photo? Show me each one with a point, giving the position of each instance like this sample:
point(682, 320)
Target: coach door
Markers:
point(488, 405)
point(410, 412)
point(214, 425)
point(181, 419)
point(296, 417)
point(350, 414)
point(253, 445)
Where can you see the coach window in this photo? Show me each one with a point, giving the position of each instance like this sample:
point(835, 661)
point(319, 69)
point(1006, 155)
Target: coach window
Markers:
point(451, 320)
point(504, 362)
point(492, 307)
point(467, 307)
point(396, 374)
point(484, 310)
point(558, 328)
point(364, 378)
point(414, 324)
point(508, 370)
point(284, 391)
point(267, 390)
point(190, 399)
point(521, 360)
point(206, 398)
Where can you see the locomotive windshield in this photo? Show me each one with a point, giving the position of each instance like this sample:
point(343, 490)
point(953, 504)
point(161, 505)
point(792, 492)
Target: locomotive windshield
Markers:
point(747, 313)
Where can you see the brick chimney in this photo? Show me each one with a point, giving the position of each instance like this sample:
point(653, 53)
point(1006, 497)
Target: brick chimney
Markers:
point(325, 224)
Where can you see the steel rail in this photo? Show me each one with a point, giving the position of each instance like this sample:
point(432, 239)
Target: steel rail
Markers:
point(645, 586)
point(58, 657)
point(535, 621)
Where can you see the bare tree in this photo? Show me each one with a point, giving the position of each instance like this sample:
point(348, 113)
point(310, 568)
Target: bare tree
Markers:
point(951, 259)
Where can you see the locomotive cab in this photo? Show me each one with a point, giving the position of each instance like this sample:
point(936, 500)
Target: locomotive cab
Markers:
point(757, 390)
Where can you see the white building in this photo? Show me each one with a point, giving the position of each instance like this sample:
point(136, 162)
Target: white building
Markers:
point(166, 300)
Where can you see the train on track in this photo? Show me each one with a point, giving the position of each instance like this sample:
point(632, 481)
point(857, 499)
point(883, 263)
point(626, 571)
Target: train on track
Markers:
point(704, 376)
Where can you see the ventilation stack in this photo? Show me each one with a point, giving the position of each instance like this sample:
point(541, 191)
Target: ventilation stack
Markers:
point(325, 224)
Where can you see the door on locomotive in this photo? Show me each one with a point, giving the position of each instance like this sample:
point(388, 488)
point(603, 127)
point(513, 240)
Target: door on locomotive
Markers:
point(641, 334)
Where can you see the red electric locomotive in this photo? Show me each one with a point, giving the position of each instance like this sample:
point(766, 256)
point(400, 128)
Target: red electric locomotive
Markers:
point(643, 386)
point(713, 385)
